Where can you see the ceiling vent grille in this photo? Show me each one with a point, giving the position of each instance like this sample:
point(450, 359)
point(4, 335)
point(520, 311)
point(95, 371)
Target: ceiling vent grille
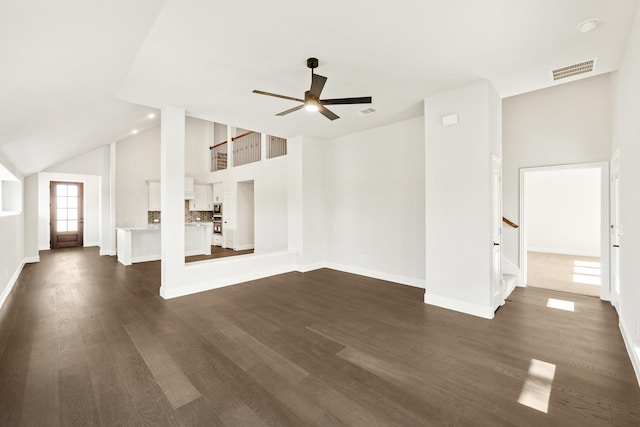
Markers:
point(366, 111)
point(575, 69)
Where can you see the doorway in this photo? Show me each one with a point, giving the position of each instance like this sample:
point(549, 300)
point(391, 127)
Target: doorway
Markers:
point(564, 228)
point(67, 220)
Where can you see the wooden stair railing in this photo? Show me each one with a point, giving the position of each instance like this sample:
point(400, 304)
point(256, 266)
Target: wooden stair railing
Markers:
point(510, 223)
point(233, 138)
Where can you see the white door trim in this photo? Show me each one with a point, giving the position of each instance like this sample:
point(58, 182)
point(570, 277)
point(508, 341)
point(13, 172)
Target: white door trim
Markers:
point(605, 292)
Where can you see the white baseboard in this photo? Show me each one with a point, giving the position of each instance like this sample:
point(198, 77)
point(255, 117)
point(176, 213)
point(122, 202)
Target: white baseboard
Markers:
point(403, 280)
point(564, 252)
point(244, 247)
point(632, 349)
point(11, 284)
point(511, 287)
point(31, 259)
point(222, 282)
point(44, 248)
point(109, 252)
point(456, 305)
point(310, 267)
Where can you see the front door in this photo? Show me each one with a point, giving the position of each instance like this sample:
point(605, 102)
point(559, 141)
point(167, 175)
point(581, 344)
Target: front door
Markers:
point(497, 291)
point(67, 221)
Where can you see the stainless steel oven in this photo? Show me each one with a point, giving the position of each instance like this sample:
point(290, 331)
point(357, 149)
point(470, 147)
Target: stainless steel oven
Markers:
point(217, 208)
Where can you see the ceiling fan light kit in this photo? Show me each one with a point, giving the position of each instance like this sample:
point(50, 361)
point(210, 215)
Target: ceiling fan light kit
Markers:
point(312, 101)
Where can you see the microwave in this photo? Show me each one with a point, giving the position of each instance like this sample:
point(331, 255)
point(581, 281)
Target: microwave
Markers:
point(217, 208)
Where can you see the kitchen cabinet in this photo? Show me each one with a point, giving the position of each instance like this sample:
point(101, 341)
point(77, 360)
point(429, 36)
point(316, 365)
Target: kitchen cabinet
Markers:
point(217, 192)
point(153, 195)
point(189, 188)
point(203, 198)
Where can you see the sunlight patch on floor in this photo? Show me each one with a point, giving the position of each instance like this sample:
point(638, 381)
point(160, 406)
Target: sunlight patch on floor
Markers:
point(536, 389)
point(592, 264)
point(561, 304)
point(587, 272)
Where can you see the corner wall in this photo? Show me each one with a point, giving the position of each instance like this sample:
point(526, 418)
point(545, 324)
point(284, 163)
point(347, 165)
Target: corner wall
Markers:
point(560, 125)
point(626, 137)
point(11, 245)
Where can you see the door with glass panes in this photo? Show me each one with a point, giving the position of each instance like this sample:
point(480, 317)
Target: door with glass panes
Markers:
point(67, 221)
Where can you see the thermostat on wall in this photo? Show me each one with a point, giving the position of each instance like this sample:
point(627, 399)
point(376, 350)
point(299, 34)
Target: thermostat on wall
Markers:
point(450, 119)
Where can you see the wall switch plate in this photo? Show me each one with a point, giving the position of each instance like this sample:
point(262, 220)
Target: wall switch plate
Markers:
point(450, 120)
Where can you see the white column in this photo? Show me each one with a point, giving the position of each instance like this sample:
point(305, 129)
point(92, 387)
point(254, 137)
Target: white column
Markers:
point(172, 144)
point(458, 195)
point(230, 134)
point(263, 146)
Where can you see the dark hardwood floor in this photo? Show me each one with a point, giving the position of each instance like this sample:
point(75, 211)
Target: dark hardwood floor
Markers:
point(217, 252)
point(86, 341)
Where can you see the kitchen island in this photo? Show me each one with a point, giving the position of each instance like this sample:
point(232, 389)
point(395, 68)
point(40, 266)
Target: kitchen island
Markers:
point(141, 244)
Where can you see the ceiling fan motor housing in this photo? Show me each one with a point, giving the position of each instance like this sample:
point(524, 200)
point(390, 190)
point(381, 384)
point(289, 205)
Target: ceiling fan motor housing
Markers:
point(312, 63)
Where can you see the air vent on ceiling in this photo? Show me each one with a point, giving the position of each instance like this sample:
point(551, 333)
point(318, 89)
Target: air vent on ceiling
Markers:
point(366, 111)
point(575, 69)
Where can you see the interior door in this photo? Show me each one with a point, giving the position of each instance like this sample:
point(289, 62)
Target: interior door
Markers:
point(67, 220)
point(615, 230)
point(229, 219)
point(497, 291)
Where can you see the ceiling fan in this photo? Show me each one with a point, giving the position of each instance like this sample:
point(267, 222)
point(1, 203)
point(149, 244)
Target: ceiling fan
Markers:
point(312, 101)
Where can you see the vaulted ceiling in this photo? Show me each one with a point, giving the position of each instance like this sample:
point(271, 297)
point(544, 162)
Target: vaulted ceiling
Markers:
point(78, 74)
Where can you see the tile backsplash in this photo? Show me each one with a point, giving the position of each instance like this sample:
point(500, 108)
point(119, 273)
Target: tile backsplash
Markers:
point(189, 216)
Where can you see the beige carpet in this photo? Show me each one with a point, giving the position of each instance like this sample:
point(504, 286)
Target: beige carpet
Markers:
point(566, 273)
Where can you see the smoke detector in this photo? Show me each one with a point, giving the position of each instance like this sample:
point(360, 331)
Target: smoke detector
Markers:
point(588, 66)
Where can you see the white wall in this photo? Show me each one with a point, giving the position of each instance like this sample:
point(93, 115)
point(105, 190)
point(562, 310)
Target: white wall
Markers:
point(245, 216)
point(626, 137)
point(98, 163)
point(458, 198)
point(563, 211)
point(138, 160)
point(91, 207)
point(564, 124)
point(31, 218)
point(374, 201)
point(11, 243)
point(270, 199)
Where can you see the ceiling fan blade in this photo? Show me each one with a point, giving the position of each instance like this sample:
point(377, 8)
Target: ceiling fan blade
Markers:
point(290, 110)
point(328, 113)
point(317, 83)
point(342, 101)
point(260, 92)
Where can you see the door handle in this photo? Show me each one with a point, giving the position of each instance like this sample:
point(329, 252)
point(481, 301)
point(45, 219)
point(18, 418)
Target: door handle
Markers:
point(616, 246)
point(496, 244)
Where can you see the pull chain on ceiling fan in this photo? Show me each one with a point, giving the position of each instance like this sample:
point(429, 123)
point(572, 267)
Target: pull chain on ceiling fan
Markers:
point(312, 101)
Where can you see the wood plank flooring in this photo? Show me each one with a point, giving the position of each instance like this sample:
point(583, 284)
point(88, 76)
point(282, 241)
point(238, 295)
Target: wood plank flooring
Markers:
point(86, 341)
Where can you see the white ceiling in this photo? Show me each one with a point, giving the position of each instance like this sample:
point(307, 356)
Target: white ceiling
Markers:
point(73, 70)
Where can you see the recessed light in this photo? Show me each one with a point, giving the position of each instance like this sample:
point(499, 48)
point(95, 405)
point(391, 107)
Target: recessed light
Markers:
point(135, 131)
point(151, 115)
point(588, 24)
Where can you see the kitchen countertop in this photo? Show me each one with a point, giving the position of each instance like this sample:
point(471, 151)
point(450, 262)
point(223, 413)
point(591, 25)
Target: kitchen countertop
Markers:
point(152, 227)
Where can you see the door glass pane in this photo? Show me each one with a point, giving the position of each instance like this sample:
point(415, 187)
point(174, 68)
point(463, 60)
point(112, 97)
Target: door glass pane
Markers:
point(72, 190)
point(61, 190)
point(62, 226)
point(72, 202)
point(62, 214)
point(72, 214)
point(73, 225)
point(61, 202)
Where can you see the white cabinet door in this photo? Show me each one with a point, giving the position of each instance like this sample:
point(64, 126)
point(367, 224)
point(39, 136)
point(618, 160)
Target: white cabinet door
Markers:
point(153, 195)
point(189, 188)
point(217, 192)
point(204, 198)
point(229, 222)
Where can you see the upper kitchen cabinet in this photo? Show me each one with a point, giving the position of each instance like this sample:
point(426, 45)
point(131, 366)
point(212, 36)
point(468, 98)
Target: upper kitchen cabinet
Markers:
point(189, 188)
point(217, 192)
point(204, 198)
point(153, 194)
